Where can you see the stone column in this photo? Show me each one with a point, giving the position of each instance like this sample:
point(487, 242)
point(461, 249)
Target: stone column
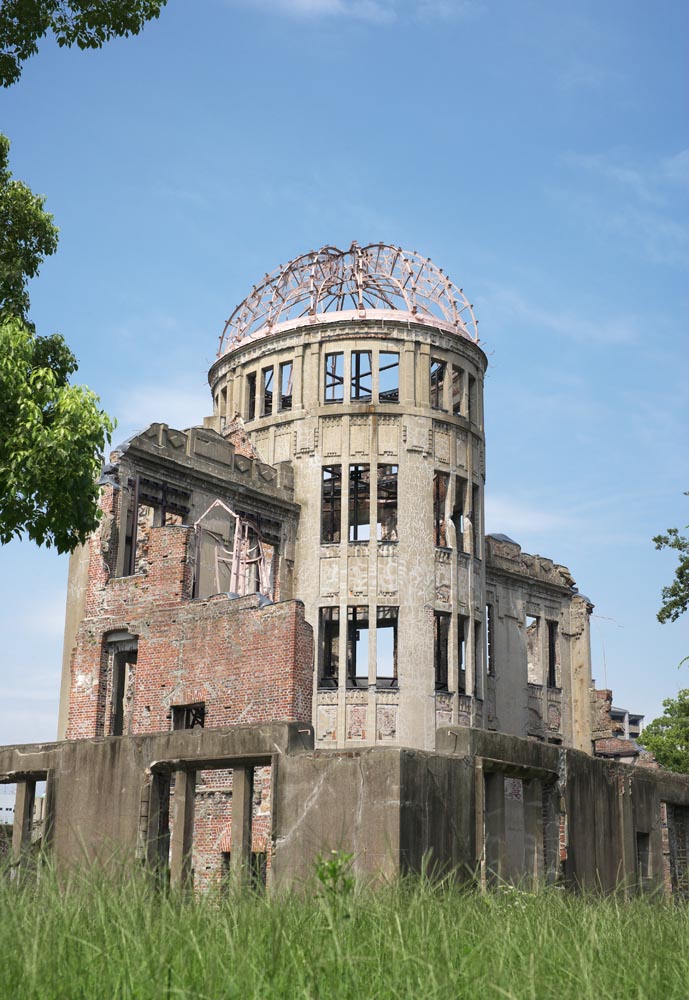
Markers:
point(182, 827)
point(240, 843)
point(23, 818)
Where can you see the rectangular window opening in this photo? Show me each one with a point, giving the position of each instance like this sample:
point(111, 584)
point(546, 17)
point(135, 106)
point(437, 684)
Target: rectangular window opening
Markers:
point(357, 646)
point(440, 484)
point(643, 857)
point(286, 385)
point(458, 513)
point(266, 392)
point(437, 384)
point(330, 647)
point(359, 503)
point(189, 716)
point(457, 391)
point(490, 639)
point(461, 655)
point(223, 407)
point(533, 649)
point(552, 654)
point(386, 647)
point(476, 520)
point(334, 378)
point(362, 377)
point(251, 396)
point(388, 377)
point(441, 635)
point(123, 664)
point(386, 518)
point(478, 657)
point(473, 414)
point(331, 506)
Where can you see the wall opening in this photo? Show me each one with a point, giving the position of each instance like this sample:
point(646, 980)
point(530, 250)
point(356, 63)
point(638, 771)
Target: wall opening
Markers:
point(552, 654)
point(386, 518)
point(388, 377)
point(386, 647)
point(357, 646)
point(359, 503)
point(266, 392)
point(329, 647)
point(457, 390)
point(251, 395)
point(490, 640)
point(441, 635)
point(361, 384)
point(440, 485)
point(286, 386)
point(191, 716)
point(331, 505)
point(458, 512)
point(461, 655)
point(437, 383)
point(334, 378)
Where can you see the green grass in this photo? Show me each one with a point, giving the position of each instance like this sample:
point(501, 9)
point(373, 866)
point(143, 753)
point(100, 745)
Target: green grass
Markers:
point(88, 936)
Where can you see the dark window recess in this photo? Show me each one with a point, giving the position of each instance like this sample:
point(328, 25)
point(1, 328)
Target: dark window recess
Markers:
point(440, 485)
point(330, 647)
point(388, 377)
point(123, 663)
point(286, 385)
point(362, 377)
point(476, 520)
point(441, 635)
point(334, 378)
point(251, 396)
point(223, 406)
point(258, 870)
point(478, 657)
point(552, 654)
point(490, 639)
point(386, 647)
point(359, 503)
point(473, 413)
point(331, 505)
point(461, 656)
point(189, 716)
point(357, 646)
point(458, 513)
point(149, 502)
point(386, 517)
point(438, 369)
point(457, 390)
point(643, 857)
point(267, 392)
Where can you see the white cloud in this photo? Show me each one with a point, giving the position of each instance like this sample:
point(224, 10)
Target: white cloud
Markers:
point(638, 205)
point(373, 11)
point(512, 517)
point(581, 326)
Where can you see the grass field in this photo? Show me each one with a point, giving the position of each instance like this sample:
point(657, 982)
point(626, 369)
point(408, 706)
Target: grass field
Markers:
point(106, 939)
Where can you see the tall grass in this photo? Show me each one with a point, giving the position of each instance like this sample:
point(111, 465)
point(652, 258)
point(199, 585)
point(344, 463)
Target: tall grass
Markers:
point(102, 938)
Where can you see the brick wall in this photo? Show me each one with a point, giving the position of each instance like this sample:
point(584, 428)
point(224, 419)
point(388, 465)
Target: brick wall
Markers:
point(248, 664)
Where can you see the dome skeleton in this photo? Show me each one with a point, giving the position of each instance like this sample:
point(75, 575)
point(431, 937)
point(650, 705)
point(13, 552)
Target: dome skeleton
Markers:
point(377, 277)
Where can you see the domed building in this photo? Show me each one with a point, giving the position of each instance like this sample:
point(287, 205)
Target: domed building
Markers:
point(290, 633)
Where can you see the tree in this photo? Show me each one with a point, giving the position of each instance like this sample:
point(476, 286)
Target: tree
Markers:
point(27, 235)
point(52, 434)
point(676, 596)
point(86, 23)
point(668, 737)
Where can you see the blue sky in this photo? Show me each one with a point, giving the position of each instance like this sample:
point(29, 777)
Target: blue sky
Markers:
point(538, 152)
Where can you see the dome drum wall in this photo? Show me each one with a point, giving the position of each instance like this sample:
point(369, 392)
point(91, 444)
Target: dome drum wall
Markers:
point(382, 421)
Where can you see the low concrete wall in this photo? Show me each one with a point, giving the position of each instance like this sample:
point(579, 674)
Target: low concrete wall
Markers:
point(485, 805)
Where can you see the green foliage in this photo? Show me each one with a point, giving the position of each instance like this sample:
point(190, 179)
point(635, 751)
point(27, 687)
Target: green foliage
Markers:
point(676, 596)
point(334, 872)
point(87, 936)
point(668, 737)
point(52, 436)
point(86, 23)
point(27, 236)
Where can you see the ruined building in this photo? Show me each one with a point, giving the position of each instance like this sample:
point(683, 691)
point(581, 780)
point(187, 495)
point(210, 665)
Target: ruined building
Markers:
point(291, 634)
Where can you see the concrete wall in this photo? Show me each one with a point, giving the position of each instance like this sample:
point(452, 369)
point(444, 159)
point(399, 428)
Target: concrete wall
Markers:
point(488, 806)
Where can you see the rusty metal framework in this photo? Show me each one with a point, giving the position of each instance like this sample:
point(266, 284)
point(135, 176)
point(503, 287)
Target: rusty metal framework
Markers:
point(357, 281)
